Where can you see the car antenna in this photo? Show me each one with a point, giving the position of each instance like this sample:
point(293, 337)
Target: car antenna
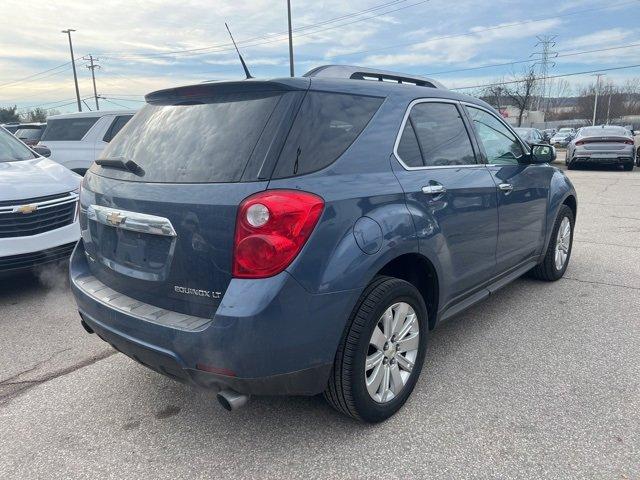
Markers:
point(244, 65)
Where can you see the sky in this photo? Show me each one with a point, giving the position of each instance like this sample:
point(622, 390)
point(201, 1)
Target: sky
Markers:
point(151, 44)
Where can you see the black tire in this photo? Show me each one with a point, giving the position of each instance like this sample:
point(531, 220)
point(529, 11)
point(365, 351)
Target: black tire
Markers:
point(628, 167)
point(346, 390)
point(547, 270)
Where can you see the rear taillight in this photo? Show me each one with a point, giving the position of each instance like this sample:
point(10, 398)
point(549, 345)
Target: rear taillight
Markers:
point(271, 229)
point(629, 142)
point(580, 142)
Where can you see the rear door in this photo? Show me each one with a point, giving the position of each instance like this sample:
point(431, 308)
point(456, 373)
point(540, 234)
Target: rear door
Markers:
point(522, 189)
point(450, 194)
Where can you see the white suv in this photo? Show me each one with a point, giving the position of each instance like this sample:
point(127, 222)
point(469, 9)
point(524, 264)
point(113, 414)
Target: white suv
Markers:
point(77, 139)
point(38, 208)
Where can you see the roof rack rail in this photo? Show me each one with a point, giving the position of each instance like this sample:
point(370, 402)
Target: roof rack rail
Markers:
point(362, 73)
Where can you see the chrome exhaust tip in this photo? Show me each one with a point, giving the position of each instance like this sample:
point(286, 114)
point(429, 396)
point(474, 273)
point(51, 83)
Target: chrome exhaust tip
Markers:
point(232, 400)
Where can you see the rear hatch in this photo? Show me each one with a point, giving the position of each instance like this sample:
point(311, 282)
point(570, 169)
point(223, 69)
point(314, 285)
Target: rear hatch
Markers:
point(164, 233)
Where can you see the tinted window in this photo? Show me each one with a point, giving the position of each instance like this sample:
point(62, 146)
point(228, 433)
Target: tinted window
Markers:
point(117, 124)
point(408, 148)
point(326, 125)
point(196, 143)
point(65, 129)
point(29, 133)
point(442, 136)
point(500, 145)
point(11, 149)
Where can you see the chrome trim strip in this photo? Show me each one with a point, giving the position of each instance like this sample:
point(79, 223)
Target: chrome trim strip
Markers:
point(99, 292)
point(72, 197)
point(134, 221)
point(402, 125)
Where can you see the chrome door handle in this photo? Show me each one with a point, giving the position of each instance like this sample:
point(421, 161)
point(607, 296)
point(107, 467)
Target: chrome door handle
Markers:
point(433, 189)
point(507, 188)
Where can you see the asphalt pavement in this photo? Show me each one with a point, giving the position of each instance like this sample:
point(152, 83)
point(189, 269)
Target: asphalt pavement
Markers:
point(540, 381)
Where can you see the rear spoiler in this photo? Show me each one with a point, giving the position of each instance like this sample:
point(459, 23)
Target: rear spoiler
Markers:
point(209, 90)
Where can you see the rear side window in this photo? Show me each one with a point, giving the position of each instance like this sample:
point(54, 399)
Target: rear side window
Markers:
point(117, 124)
point(326, 125)
point(68, 129)
point(435, 135)
point(204, 142)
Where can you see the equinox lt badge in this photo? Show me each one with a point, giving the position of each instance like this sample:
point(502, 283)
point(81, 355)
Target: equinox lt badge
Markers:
point(197, 292)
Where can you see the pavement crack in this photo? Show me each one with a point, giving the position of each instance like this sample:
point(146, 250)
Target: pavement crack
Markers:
point(35, 367)
point(600, 283)
point(13, 388)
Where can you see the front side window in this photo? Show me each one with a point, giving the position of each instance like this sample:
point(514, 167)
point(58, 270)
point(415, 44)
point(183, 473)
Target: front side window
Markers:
point(12, 149)
point(500, 145)
point(435, 135)
point(68, 129)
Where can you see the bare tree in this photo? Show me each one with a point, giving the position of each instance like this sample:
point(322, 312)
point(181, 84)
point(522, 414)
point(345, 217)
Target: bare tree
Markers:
point(612, 103)
point(520, 92)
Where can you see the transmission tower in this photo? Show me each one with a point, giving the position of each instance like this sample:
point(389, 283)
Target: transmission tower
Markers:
point(544, 61)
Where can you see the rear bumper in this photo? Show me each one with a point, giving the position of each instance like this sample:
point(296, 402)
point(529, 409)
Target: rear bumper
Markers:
point(594, 159)
point(268, 336)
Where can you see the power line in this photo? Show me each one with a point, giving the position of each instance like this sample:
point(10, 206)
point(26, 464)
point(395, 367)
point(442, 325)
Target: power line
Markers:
point(281, 37)
point(475, 32)
point(529, 60)
point(546, 78)
point(34, 74)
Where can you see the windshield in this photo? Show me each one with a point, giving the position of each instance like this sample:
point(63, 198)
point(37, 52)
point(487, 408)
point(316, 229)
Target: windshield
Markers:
point(29, 133)
point(12, 149)
point(564, 130)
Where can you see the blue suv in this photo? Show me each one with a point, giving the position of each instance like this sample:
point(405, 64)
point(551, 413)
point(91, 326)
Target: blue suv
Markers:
point(303, 235)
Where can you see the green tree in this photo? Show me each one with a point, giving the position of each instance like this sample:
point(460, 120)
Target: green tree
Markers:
point(38, 114)
point(9, 114)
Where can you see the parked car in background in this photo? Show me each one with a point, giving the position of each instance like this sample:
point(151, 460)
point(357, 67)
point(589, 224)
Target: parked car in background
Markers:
point(38, 208)
point(562, 137)
point(11, 127)
point(532, 136)
point(30, 133)
point(548, 133)
point(601, 145)
point(77, 139)
point(303, 235)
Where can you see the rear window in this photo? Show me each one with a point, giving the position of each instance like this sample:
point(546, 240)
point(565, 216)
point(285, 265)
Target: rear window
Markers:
point(68, 129)
point(29, 133)
point(326, 125)
point(194, 143)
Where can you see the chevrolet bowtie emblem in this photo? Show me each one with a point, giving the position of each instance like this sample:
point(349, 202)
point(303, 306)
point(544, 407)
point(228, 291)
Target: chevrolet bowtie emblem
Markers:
point(25, 209)
point(115, 218)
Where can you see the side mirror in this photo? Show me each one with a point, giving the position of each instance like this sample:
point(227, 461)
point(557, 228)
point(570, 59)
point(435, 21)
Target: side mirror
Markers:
point(542, 153)
point(41, 150)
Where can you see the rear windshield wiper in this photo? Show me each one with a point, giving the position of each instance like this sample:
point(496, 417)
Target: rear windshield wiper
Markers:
point(129, 165)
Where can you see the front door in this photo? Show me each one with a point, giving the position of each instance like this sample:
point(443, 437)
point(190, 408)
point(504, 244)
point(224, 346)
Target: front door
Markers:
point(522, 190)
point(450, 195)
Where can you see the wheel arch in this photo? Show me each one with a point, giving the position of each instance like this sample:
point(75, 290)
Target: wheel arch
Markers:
point(418, 270)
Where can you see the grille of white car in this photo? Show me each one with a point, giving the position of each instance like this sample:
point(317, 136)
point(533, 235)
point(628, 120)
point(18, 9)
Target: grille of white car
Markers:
point(24, 218)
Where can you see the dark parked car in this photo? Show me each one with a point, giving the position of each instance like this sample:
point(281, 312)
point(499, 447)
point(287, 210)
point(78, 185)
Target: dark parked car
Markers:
point(532, 136)
point(10, 127)
point(30, 133)
point(601, 145)
point(304, 235)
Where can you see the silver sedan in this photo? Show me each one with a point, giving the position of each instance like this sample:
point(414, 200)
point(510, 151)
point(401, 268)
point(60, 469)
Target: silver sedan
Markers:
point(601, 145)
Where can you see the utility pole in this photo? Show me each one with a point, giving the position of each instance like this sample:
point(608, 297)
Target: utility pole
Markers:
point(73, 64)
point(609, 107)
point(92, 66)
point(595, 102)
point(547, 42)
point(291, 70)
